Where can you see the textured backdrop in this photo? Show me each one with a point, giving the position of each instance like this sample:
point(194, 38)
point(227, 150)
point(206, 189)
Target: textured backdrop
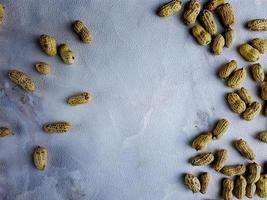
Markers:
point(153, 87)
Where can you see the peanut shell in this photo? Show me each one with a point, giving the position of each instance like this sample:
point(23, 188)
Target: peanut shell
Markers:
point(227, 188)
point(218, 44)
point(48, 45)
point(202, 141)
point(227, 16)
point(257, 72)
point(236, 103)
point(221, 127)
point(212, 5)
point(249, 53)
point(264, 91)
point(22, 80)
point(4, 131)
point(208, 22)
point(233, 170)
point(220, 157)
point(237, 78)
point(40, 155)
point(201, 35)
point(259, 44)
point(252, 111)
point(253, 172)
point(229, 36)
point(244, 95)
point(57, 127)
point(202, 159)
point(263, 136)
point(262, 186)
point(227, 69)
point(79, 99)
point(204, 179)
point(192, 182)
point(257, 25)
point(2, 13)
point(244, 149)
point(240, 187)
point(191, 12)
point(84, 33)
point(42, 67)
point(169, 8)
point(66, 54)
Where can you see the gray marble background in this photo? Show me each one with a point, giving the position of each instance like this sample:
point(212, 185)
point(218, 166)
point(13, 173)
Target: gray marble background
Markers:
point(153, 87)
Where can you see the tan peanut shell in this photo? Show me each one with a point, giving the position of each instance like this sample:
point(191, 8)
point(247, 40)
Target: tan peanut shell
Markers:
point(236, 103)
point(227, 15)
point(253, 172)
point(221, 127)
point(244, 95)
point(83, 32)
point(263, 136)
point(233, 170)
point(66, 54)
point(244, 149)
point(252, 111)
point(259, 44)
point(227, 69)
point(218, 44)
point(229, 36)
point(227, 189)
point(208, 22)
point(249, 53)
point(204, 179)
point(212, 5)
point(202, 159)
point(201, 35)
point(48, 45)
point(264, 91)
point(202, 141)
point(42, 67)
point(169, 8)
point(262, 186)
point(237, 78)
point(220, 157)
point(2, 13)
point(4, 131)
point(191, 12)
point(192, 182)
point(79, 99)
point(257, 25)
point(257, 72)
point(240, 185)
point(250, 190)
point(22, 80)
point(40, 156)
point(57, 127)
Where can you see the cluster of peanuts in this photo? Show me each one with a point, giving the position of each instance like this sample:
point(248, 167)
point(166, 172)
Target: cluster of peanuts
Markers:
point(49, 46)
point(243, 180)
point(206, 31)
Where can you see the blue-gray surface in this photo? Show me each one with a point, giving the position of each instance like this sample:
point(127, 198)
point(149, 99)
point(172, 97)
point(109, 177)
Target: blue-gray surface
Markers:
point(153, 87)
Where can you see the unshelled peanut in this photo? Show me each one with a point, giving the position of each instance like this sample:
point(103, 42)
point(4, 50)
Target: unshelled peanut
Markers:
point(252, 111)
point(48, 45)
point(202, 141)
point(227, 188)
point(240, 185)
point(208, 22)
point(244, 149)
point(221, 127)
point(236, 103)
point(218, 44)
point(237, 78)
point(40, 156)
point(229, 36)
point(257, 25)
point(227, 15)
point(212, 5)
point(85, 35)
point(22, 80)
point(57, 127)
point(249, 53)
point(191, 12)
point(204, 179)
point(262, 186)
point(192, 182)
point(257, 72)
point(66, 54)
point(233, 170)
point(169, 8)
point(4, 131)
point(259, 44)
point(201, 35)
point(244, 95)
point(227, 69)
point(220, 157)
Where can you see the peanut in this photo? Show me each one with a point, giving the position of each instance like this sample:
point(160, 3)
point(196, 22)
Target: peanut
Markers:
point(79, 99)
point(262, 186)
point(263, 136)
point(43, 68)
point(220, 157)
point(204, 179)
point(170, 8)
point(191, 12)
point(257, 72)
point(66, 54)
point(57, 127)
point(201, 35)
point(264, 91)
point(233, 170)
point(250, 190)
point(202, 141)
point(208, 22)
point(40, 155)
point(2, 13)
point(227, 188)
point(48, 45)
point(227, 15)
point(221, 127)
point(237, 78)
point(229, 36)
point(22, 80)
point(253, 172)
point(236, 103)
point(218, 44)
point(240, 187)
point(202, 159)
point(252, 111)
point(249, 53)
point(244, 149)
point(212, 5)
point(4, 131)
point(83, 32)
point(192, 182)
point(257, 25)
point(259, 44)
point(244, 95)
point(227, 69)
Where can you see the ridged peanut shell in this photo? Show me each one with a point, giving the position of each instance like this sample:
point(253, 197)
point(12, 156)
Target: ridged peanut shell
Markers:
point(22, 80)
point(227, 189)
point(4, 132)
point(192, 182)
point(250, 190)
point(253, 172)
point(249, 53)
point(259, 44)
point(257, 25)
point(236, 103)
point(202, 141)
point(201, 35)
point(66, 54)
point(221, 127)
point(208, 22)
point(229, 36)
point(257, 72)
point(240, 185)
point(264, 91)
point(204, 179)
point(227, 69)
point(202, 159)
point(83, 32)
point(212, 5)
point(237, 78)
point(252, 111)
point(40, 156)
point(244, 149)
point(169, 8)
point(262, 186)
point(226, 14)
point(48, 45)
point(233, 170)
point(43, 68)
point(244, 95)
point(191, 12)
point(220, 157)
point(57, 127)
point(262, 136)
point(79, 99)
point(218, 44)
